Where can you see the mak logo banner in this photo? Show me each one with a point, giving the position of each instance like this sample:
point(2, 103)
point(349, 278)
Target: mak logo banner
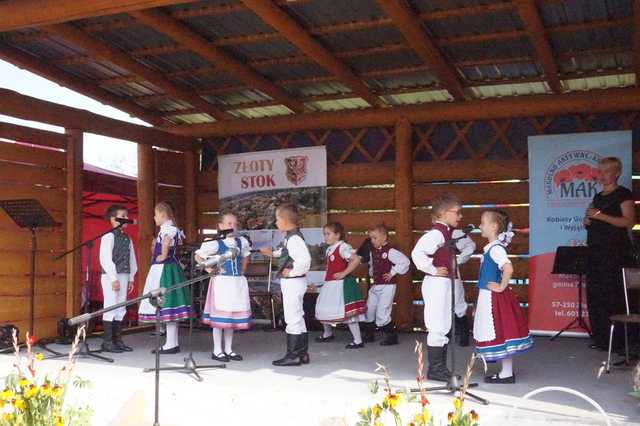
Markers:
point(563, 179)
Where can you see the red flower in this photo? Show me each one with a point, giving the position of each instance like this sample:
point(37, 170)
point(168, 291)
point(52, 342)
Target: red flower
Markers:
point(32, 340)
point(561, 177)
point(580, 171)
point(424, 401)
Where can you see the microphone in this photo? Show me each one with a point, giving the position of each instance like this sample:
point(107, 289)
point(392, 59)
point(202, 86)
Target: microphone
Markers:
point(219, 234)
point(219, 259)
point(468, 229)
point(123, 221)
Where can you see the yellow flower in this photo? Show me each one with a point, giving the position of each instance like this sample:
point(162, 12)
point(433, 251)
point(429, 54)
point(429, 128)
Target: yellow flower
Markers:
point(377, 423)
point(457, 403)
point(376, 410)
point(19, 404)
point(6, 395)
point(474, 416)
point(23, 382)
point(31, 391)
point(450, 416)
point(8, 417)
point(363, 412)
point(422, 418)
point(57, 391)
point(46, 389)
point(39, 356)
point(392, 400)
point(59, 421)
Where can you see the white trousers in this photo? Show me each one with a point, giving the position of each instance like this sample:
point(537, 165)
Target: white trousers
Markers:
point(111, 297)
point(293, 291)
point(380, 303)
point(436, 293)
point(460, 304)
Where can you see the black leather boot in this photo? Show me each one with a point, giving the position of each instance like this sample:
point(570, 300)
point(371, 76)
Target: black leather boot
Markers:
point(390, 335)
point(291, 358)
point(368, 331)
point(462, 331)
point(438, 364)
point(107, 338)
point(304, 350)
point(117, 337)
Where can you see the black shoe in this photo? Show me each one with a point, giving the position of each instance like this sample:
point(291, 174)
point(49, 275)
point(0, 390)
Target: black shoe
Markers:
point(292, 357)
point(117, 337)
point(354, 345)
point(368, 332)
point(220, 358)
point(110, 347)
point(171, 351)
point(390, 335)
point(496, 379)
point(107, 338)
point(234, 356)
point(322, 339)
point(437, 364)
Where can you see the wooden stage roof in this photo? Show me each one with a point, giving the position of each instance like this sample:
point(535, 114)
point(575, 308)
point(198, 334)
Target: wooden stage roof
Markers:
point(192, 67)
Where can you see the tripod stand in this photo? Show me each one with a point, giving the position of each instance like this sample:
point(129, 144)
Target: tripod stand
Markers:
point(190, 366)
point(84, 351)
point(453, 384)
point(29, 213)
point(572, 260)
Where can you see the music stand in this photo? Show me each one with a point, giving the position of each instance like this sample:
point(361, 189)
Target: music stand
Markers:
point(29, 213)
point(572, 261)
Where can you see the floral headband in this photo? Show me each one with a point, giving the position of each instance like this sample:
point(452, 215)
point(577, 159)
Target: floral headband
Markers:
point(506, 236)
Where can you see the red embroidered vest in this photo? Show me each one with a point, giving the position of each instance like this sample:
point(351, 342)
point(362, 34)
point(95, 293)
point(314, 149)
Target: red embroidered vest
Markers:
point(380, 263)
point(441, 256)
point(335, 263)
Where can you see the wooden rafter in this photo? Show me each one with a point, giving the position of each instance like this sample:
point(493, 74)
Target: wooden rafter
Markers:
point(28, 108)
point(636, 40)
point(594, 101)
point(17, 14)
point(173, 28)
point(279, 20)
point(108, 53)
point(411, 28)
point(533, 23)
point(87, 88)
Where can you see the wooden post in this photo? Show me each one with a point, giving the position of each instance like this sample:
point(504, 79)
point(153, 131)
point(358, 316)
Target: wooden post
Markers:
point(190, 209)
point(74, 220)
point(146, 204)
point(403, 200)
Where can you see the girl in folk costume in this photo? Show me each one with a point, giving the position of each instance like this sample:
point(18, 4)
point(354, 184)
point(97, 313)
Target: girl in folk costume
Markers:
point(500, 328)
point(165, 271)
point(119, 267)
point(227, 307)
point(340, 299)
point(385, 263)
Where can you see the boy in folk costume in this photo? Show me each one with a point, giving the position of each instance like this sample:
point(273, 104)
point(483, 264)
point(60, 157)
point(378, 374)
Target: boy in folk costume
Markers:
point(385, 263)
point(119, 267)
point(228, 306)
point(340, 299)
point(296, 262)
point(431, 255)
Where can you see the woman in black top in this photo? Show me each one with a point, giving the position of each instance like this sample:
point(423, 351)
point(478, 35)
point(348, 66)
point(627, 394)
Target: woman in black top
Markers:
point(608, 220)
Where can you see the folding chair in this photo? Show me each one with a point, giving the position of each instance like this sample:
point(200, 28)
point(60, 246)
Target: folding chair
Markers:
point(630, 281)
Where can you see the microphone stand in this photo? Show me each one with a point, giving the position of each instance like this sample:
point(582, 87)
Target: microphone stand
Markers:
point(84, 351)
point(454, 385)
point(190, 366)
point(155, 297)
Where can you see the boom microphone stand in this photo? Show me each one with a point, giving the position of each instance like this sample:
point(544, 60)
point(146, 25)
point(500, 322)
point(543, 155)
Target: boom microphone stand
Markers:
point(156, 298)
point(454, 385)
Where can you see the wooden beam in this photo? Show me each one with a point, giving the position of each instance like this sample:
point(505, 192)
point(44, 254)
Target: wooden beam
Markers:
point(593, 101)
point(20, 106)
point(119, 58)
point(190, 206)
point(411, 28)
point(636, 40)
point(279, 20)
point(216, 57)
point(403, 203)
point(85, 87)
point(17, 14)
point(146, 186)
point(31, 135)
point(74, 219)
point(533, 24)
